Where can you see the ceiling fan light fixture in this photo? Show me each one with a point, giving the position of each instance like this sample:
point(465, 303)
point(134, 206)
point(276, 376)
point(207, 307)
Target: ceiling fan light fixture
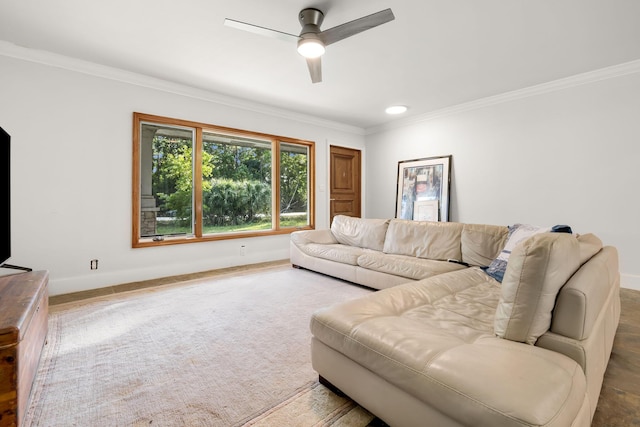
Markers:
point(396, 109)
point(312, 40)
point(310, 48)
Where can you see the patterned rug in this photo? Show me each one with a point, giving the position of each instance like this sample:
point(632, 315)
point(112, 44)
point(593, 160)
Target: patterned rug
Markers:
point(225, 351)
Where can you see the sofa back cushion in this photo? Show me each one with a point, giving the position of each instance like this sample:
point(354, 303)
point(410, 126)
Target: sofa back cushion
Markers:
point(537, 269)
point(360, 232)
point(481, 244)
point(590, 244)
point(424, 239)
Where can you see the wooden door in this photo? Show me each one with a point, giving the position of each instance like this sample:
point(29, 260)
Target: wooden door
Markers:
point(344, 196)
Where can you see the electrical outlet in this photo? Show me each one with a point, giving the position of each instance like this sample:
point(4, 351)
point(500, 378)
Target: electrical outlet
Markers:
point(94, 264)
point(243, 250)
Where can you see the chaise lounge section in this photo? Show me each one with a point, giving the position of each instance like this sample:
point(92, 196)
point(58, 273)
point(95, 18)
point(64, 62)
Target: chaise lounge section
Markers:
point(460, 348)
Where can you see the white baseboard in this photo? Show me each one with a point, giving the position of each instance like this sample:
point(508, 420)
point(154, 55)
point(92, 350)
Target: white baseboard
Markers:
point(93, 281)
point(59, 286)
point(630, 281)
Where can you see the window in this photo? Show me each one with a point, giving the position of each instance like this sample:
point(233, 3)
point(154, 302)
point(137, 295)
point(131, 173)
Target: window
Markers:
point(198, 182)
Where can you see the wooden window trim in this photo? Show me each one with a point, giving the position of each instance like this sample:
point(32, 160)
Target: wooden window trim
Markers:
point(137, 242)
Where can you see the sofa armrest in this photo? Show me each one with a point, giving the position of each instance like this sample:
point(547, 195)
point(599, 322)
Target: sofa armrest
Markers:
point(583, 297)
point(586, 317)
point(304, 237)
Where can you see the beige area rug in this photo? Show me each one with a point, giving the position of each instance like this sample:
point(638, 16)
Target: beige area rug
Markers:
point(225, 351)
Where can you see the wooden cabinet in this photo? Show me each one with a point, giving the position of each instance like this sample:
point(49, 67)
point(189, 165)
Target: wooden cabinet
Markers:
point(24, 307)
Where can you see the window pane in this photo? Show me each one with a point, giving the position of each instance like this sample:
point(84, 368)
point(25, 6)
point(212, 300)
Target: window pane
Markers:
point(294, 185)
point(236, 184)
point(166, 181)
point(237, 188)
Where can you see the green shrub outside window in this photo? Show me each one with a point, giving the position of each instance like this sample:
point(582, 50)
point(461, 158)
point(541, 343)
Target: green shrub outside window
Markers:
point(196, 182)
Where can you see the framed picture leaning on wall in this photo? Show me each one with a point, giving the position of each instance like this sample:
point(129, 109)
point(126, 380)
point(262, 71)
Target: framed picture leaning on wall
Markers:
point(422, 180)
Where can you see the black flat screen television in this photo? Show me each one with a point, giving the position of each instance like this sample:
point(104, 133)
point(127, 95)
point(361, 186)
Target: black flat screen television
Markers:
point(5, 193)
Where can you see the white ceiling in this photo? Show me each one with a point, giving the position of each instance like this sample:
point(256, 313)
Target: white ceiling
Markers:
point(434, 55)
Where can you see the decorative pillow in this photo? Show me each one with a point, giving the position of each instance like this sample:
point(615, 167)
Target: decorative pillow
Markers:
point(517, 233)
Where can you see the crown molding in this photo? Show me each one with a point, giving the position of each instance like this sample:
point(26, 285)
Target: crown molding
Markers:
point(611, 72)
point(111, 73)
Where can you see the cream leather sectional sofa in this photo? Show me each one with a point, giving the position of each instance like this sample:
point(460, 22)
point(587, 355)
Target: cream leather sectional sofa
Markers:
point(446, 344)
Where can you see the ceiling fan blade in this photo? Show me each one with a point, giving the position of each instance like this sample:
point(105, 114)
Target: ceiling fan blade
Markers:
point(315, 69)
point(356, 26)
point(261, 30)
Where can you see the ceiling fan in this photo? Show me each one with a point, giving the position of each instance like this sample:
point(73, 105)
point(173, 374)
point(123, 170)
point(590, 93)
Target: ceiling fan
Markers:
point(312, 41)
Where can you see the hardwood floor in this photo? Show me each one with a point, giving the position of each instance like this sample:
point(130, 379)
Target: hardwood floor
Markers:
point(77, 296)
point(619, 403)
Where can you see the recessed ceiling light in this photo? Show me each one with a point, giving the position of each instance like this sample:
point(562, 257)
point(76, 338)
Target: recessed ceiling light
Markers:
point(396, 109)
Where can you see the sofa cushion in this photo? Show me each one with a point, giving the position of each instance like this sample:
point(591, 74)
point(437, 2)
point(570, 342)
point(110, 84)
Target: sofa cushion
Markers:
point(480, 244)
point(433, 339)
point(537, 269)
point(590, 244)
point(304, 237)
point(517, 234)
point(333, 252)
point(404, 266)
point(422, 318)
point(360, 232)
point(424, 239)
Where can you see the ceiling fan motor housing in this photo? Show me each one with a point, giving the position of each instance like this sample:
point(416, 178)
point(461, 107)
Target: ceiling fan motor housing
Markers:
point(310, 44)
point(310, 19)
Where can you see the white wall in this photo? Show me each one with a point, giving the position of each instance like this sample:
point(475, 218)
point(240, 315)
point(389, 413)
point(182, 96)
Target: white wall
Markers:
point(568, 156)
point(71, 171)
point(565, 156)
